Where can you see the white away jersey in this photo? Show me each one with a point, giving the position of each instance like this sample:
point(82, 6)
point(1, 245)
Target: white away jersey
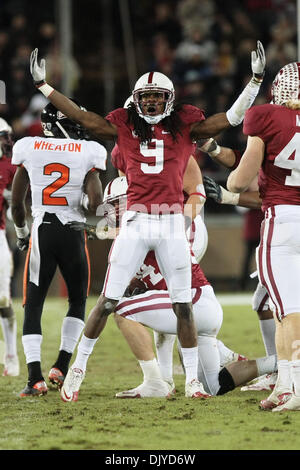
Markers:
point(57, 168)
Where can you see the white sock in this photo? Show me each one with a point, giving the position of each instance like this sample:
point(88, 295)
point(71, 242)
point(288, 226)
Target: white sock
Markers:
point(70, 333)
point(266, 365)
point(84, 350)
point(190, 362)
point(164, 344)
point(284, 379)
point(267, 328)
point(226, 354)
point(32, 347)
point(150, 370)
point(295, 376)
point(9, 329)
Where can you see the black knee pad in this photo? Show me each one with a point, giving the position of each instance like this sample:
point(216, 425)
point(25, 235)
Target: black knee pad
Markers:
point(226, 382)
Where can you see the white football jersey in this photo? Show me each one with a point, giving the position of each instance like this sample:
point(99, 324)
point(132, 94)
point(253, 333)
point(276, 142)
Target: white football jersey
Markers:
point(57, 168)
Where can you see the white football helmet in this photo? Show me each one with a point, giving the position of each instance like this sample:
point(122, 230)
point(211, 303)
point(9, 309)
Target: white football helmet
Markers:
point(156, 82)
point(128, 101)
point(4, 127)
point(115, 200)
point(286, 85)
point(6, 142)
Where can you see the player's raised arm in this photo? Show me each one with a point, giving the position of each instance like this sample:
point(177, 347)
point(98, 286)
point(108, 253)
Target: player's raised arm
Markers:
point(211, 126)
point(97, 125)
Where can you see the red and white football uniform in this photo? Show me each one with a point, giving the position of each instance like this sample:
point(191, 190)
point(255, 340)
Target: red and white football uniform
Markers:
point(154, 219)
point(154, 310)
point(7, 171)
point(197, 233)
point(162, 158)
point(279, 185)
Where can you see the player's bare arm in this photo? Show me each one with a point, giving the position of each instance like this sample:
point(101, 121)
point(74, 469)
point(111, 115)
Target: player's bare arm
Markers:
point(241, 178)
point(94, 123)
point(223, 155)
point(20, 187)
point(93, 189)
point(19, 190)
point(193, 186)
point(250, 199)
point(210, 126)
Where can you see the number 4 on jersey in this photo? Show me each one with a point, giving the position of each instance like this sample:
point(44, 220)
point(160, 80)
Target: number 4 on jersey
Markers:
point(289, 158)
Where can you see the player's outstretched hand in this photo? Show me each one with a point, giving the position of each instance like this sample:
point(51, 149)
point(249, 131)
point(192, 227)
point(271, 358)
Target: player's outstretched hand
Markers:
point(81, 226)
point(37, 71)
point(212, 189)
point(258, 61)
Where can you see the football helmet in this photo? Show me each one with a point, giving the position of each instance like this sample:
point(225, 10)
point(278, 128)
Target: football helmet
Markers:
point(128, 101)
point(286, 85)
point(6, 142)
point(56, 124)
point(115, 200)
point(155, 82)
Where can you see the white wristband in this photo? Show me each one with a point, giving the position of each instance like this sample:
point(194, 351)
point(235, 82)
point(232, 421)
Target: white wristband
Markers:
point(22, 232)
point(229, 197)
point(215, 152)
point(46, 89)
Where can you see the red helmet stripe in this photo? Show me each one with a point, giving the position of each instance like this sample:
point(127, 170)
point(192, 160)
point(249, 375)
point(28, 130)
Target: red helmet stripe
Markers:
point(298, 65)
point(109, 187)
point(150, 78)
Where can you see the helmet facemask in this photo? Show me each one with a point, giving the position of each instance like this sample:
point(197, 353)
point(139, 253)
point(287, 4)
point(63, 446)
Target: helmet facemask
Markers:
point(149, 85)
point(115, 201)
point(6, 144)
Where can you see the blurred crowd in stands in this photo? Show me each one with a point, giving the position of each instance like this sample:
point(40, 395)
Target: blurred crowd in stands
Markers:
point(203, 46)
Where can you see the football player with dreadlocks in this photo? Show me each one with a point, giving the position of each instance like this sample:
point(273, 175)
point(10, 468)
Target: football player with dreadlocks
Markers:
point(157, 138)
point(62, 170)
point(272, 152)
point(7, 316)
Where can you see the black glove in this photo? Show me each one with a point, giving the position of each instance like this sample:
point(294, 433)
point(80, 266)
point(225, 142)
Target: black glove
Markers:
point(23, 243)
point(212, 189)
point(81, 226)
point(135, 287)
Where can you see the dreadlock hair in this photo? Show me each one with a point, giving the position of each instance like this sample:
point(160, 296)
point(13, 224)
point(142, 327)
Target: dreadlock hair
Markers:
point(142, 129)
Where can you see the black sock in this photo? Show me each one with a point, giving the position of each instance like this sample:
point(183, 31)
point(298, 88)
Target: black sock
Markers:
point(63, 361)
point(34, 373)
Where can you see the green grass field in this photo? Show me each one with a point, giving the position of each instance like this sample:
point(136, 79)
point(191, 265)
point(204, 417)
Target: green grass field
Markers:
point(98, 421)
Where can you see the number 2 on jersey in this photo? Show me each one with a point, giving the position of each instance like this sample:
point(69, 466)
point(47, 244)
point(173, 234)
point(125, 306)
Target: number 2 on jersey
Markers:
point(48, 199)
point(289, 158)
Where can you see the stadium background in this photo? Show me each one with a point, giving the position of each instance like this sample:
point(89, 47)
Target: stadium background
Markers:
point(95, 51)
